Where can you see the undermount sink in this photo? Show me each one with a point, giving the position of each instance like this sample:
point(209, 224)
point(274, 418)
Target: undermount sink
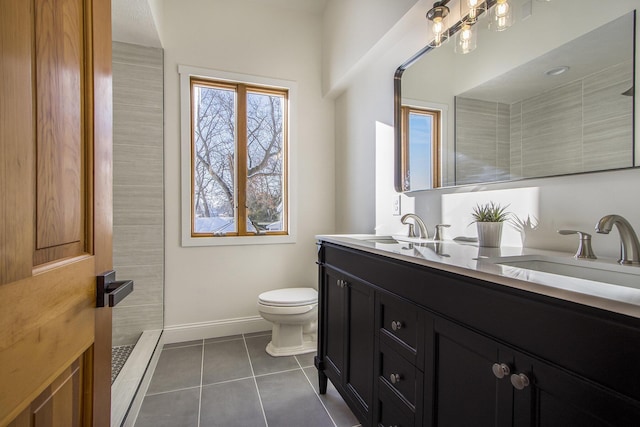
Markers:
point(596, 270)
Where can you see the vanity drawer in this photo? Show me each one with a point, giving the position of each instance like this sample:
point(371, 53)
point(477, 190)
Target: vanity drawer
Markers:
point(392, 411)
point(401, 325)
point(400, 375)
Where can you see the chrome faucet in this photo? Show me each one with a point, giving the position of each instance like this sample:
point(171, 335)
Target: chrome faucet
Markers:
point(418, 222)
point(629, 244)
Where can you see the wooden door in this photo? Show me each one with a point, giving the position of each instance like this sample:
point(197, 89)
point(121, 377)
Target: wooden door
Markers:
point(55, 211)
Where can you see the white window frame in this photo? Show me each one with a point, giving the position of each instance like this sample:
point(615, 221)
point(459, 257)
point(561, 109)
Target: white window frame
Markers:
point(186, 72)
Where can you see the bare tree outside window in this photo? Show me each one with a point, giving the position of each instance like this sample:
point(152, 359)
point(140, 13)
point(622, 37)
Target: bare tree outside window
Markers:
point(232, 197)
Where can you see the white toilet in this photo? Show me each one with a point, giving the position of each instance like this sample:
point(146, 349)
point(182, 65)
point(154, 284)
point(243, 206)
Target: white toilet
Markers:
point(294, 314)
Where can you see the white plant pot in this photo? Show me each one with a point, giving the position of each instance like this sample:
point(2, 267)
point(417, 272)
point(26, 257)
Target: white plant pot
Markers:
point(489, 234)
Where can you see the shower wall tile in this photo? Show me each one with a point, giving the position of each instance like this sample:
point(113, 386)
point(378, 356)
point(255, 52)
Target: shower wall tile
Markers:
point(147, 287)
point(128, 322)
point(138, 188)
point(133, 125)
point(137, 165)
point(134, 54)
point(515, 140)
point(147, 200)
point(608, 144)
point(138, 85)
point(138, 245)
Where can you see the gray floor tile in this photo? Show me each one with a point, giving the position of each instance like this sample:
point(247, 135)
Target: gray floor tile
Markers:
point(262, 362)
point(177, 368)
point(224, 361)
point(289, 400)
point(305, 360)
point(340, 412)
point(183, 344)
point(231, 404)
point(178, 408)
point(219, 339)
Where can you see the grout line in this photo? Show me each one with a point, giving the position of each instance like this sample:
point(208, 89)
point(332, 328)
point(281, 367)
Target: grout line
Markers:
point(316, 393)
point(253, 374)
point(201, 379)
point(170, 391)
point(227, 381)
point(276, 373)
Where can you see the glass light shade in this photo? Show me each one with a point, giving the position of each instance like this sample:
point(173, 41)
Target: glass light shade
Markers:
point(473, 9)
point(466, 39)
point(501, 16)
point(437, 17)
point(439, 29)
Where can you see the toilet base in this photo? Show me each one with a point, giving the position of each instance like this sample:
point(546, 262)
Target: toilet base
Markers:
point(307, 347)
point(289, 340)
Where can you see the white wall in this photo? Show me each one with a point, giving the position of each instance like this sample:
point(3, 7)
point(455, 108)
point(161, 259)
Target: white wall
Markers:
point(564, 202)
point(213, 290)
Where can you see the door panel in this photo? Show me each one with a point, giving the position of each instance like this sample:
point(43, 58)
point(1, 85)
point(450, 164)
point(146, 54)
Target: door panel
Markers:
point(55, 211)
point(60, 77)
point(17, 164)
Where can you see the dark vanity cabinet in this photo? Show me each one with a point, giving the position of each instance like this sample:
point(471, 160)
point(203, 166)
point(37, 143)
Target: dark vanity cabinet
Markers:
point(408, 345)
point(348, 342)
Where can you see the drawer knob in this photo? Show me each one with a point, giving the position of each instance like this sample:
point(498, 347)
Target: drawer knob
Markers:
point(500, 370)
point(520, 381)
point(395, 378)
point(396, 325)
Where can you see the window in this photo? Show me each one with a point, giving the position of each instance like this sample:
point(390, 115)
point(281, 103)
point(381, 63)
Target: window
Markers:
point(238, 154)
point(421, 140)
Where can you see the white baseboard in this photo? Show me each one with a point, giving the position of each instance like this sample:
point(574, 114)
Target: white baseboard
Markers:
point(214, 329)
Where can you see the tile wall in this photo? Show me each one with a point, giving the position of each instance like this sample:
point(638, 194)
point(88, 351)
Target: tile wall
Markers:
point(581, 126)
point(138, 191)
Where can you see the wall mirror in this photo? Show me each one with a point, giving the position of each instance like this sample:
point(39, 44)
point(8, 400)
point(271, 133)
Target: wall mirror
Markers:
point(552, 95)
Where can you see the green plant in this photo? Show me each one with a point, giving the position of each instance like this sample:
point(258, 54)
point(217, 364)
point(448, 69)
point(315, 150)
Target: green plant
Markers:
point(490, 212)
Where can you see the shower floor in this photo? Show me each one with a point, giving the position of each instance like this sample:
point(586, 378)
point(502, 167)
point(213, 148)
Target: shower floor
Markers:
point(119, 356)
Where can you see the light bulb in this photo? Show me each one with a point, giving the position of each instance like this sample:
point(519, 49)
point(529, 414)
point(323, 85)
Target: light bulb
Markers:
point(437, 26)
point(475, 9)
point(466, 40)
point(501, 16)
point(502, 9)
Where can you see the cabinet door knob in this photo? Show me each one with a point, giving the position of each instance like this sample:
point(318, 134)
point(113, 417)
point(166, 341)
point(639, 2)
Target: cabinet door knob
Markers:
point(395, 378)
point(396, 325)
point(519, 381)
point(342, 283)
point(500, 370)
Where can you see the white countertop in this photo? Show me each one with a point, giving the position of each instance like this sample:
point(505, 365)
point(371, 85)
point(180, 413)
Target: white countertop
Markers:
point(467, 259)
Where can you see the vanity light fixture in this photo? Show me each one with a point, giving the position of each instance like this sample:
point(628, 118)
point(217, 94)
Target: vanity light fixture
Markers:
point(501, 16)
point(466, 39)
point(438, 16)
point(474, 8)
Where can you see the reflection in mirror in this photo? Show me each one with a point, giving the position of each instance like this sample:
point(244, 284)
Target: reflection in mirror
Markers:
point(561, 106)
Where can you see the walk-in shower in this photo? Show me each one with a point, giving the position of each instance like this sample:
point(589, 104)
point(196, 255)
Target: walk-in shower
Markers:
point(138, 218)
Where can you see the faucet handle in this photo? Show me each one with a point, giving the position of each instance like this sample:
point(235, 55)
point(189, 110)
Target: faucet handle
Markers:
point(584, 246)
point(439, 227)
point(412, 231)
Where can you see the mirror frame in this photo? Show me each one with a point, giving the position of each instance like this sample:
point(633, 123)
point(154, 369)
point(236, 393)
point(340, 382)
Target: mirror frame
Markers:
point(401, 184)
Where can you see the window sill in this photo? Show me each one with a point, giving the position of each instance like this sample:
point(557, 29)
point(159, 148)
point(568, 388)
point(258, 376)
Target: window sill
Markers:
point(188, 241)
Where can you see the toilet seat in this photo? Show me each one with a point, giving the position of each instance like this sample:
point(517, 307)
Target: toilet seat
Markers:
point(289, 297)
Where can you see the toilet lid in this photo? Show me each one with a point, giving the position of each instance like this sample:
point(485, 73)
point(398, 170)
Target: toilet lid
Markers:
point(289, 297)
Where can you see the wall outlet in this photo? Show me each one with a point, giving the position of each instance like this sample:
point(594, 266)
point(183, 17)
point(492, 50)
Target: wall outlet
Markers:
point(395, 205)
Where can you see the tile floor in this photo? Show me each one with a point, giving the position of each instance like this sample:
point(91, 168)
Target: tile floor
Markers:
point(233, 382)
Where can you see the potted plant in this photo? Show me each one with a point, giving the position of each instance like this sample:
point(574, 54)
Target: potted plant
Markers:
point(489, 219)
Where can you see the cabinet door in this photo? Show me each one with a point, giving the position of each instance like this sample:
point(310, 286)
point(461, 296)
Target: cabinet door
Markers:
point(347, 337)
point(359, 375)
point(333, 330)
point(466, 392)
point(557, 398)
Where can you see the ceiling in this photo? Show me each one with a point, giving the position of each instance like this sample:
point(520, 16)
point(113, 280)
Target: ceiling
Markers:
point(133, 22)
